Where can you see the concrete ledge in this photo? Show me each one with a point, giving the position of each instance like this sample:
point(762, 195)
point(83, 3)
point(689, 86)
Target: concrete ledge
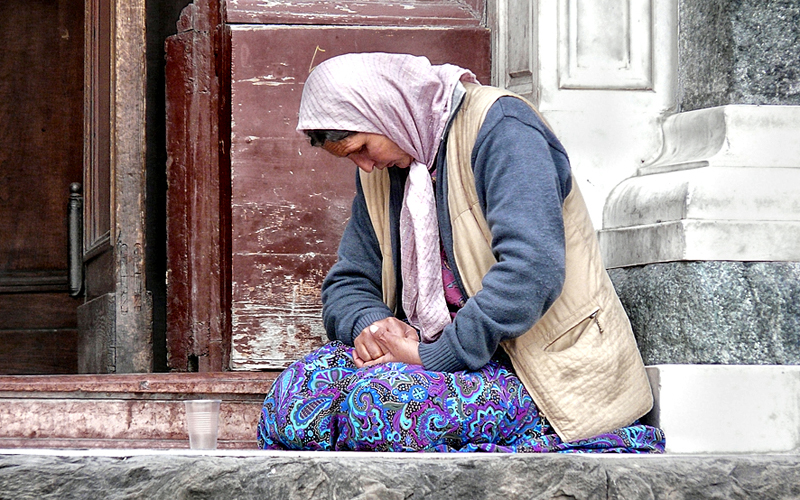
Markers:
point(266, 475)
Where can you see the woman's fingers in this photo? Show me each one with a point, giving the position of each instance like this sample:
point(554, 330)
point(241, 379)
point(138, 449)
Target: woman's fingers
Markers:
point(386, 341)
point(357, 360)
point(386, 358)
point(401, 347)
point(367, 346)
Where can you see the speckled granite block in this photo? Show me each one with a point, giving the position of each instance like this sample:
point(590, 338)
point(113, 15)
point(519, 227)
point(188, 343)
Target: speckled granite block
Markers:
point(713, 312)
point(738, 52)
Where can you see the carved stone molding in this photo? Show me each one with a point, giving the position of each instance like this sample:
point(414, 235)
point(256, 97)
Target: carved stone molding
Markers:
point(606, 44)
point(723, 188)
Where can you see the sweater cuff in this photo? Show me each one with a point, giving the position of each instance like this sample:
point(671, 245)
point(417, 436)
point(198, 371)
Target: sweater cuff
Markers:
point(438, 357)
point(365, 321)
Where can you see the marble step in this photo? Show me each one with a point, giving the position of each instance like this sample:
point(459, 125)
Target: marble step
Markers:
point(126, 411)
point(727, 408)
point(701, 408)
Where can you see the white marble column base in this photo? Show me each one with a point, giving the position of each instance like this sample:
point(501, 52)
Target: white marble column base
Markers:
point(727, 408)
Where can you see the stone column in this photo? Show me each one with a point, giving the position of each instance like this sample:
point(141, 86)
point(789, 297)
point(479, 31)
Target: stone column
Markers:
point(703, 244)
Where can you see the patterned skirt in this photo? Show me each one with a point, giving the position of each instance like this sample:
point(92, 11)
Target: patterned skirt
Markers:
point(323, 402)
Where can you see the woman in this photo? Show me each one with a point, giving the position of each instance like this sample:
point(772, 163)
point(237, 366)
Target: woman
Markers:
point(473, 192)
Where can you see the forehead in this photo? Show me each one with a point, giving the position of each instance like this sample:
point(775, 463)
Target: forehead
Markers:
point(345, 146)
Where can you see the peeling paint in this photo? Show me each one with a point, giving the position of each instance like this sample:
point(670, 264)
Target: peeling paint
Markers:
point(272, 4)
point(270, 80)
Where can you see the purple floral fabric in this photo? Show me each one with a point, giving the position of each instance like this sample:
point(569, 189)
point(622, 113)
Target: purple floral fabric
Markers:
point(323, 402)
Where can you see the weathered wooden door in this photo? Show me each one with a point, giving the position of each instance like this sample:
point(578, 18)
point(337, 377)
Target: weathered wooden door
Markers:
point(255, 213)
point(41, 146)
point(290, 202)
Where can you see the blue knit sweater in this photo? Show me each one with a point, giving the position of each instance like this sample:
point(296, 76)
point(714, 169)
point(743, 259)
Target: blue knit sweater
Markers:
point(522, 177)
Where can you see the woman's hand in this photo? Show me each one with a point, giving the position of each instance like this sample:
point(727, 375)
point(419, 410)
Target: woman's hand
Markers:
point(366, 346)
point(385, 341)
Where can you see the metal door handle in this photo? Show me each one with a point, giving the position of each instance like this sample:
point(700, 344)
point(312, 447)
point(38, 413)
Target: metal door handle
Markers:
point(75, 218)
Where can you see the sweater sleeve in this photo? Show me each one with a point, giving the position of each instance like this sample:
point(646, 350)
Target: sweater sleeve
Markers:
point(352, 296)
point(521, 177)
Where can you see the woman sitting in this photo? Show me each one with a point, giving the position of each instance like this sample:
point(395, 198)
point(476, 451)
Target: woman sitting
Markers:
point(467, 234)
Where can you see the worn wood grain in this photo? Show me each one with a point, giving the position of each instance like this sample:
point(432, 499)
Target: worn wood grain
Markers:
point(134, 308)
point(277, 312)
point(41, 145)
point(290, 202)
point(255, 214)
point(98, 119)
point(179, 75)
point(37, 311)
point(40, 130)
point(198, 197)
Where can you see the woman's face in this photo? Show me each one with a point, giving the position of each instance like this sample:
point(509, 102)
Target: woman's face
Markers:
point(369, 151)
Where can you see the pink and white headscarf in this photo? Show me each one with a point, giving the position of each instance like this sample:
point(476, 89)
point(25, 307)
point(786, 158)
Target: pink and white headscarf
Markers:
point(406, 99)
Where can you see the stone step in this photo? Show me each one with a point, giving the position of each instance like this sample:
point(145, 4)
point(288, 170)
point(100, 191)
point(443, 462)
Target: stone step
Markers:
point(727, 408)
point(169, 474)
point(126, 411)
point(701, 408)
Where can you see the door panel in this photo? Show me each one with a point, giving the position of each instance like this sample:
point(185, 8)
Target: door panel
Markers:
point(98, 66)
point(290, 202)
point(41, 147)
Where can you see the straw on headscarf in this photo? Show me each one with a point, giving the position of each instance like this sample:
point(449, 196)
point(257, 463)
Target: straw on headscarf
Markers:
point(406, 99)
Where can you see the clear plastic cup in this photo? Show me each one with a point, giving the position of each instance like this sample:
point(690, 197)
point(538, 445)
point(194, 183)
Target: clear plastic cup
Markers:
point(202, 419)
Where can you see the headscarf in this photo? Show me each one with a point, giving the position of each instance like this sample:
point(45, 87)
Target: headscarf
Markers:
point(406, 99)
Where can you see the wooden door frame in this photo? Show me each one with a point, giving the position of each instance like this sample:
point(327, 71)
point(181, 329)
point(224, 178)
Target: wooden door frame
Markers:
point(198, 193)
point(115, 323)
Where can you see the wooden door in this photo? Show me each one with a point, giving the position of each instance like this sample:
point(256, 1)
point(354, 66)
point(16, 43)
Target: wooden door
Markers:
point(289, 201)
point(41, 146)
point(255, 214)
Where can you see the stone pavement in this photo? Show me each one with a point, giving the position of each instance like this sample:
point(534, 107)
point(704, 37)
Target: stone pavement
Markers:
point(242, 474)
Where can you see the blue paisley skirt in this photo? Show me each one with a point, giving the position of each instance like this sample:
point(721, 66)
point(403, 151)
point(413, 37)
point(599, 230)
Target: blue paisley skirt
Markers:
point(323, 402)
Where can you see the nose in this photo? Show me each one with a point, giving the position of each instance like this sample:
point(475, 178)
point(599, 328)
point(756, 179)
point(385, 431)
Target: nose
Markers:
point(364, 164)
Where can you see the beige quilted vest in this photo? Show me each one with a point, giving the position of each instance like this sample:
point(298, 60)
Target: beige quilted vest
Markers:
point(580, 361)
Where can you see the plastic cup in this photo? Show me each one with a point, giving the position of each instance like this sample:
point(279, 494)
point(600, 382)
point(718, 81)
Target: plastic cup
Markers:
point(202, 419)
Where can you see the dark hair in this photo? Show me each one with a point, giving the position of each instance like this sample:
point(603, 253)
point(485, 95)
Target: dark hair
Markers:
point(319, 137)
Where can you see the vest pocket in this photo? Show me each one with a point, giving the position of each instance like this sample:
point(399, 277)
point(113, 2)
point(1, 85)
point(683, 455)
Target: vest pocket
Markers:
point(573, 333)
